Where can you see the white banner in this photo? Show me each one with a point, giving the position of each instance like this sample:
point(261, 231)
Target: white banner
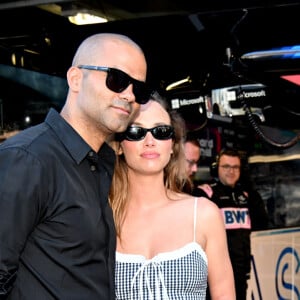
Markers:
point(275, 267)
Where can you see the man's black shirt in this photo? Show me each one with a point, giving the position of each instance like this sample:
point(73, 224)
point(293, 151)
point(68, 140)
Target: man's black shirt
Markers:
point(57, 236)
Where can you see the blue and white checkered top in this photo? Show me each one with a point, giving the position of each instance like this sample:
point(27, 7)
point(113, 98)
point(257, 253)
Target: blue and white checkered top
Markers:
point(179, 274)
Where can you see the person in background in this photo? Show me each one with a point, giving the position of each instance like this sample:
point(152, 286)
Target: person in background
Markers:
point(168, 242)
point(57, 234)
point(243, 211)
point(192, 152)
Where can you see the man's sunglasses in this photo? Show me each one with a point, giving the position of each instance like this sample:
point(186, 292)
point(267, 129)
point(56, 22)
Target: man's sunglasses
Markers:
point(117, 81)
point(136, 133)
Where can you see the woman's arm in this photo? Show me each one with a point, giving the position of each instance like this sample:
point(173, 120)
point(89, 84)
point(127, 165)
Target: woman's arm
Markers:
point(220, 274)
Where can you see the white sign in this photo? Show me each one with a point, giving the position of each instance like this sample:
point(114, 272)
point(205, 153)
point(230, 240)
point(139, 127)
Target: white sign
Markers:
point(275, 268)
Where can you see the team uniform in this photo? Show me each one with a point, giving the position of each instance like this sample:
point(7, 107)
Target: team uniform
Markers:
point(243, 211)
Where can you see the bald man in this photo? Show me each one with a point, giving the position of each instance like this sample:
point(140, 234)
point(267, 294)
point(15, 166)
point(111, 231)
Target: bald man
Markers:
point(57, 236)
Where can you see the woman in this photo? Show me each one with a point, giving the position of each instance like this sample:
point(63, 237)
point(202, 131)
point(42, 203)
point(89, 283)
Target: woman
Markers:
point(168, 242)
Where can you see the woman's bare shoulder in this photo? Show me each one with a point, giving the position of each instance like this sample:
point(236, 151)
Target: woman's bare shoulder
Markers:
point(183, 199)
point(206, 206)
point(180, 196)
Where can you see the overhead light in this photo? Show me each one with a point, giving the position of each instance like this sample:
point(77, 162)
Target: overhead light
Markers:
point(76, 15)
point(82, 18)
point(287, 52)
point(177, 83)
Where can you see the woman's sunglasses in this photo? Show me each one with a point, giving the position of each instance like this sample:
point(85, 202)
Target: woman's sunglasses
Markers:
point(136, 133)
point(117, 81)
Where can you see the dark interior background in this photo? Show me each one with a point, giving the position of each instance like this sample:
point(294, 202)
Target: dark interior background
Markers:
point(206, 41)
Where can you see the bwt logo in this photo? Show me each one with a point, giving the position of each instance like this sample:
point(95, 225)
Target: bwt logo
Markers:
point(288, 264)
point(236, 218)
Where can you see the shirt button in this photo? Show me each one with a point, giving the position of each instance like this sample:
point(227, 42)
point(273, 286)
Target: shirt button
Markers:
point(93, 168)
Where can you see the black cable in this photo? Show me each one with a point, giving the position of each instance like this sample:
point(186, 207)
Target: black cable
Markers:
point(260, 133)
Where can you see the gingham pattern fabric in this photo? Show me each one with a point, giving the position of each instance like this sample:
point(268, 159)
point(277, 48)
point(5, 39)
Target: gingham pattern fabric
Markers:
point(179, 274)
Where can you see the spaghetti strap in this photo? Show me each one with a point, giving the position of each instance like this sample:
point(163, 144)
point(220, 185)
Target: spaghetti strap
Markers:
point(195, 217)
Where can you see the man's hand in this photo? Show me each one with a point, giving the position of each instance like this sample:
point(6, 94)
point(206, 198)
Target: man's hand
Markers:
point(206, 188)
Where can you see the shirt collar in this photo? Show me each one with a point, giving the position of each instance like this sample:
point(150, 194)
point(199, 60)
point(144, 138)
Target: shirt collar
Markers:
point(73, 142)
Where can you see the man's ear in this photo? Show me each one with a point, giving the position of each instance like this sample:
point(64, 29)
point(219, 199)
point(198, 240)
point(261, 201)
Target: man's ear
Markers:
point(74, 77)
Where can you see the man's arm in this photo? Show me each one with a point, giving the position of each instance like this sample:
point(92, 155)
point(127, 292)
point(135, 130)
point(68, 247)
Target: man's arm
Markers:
point(20, 177)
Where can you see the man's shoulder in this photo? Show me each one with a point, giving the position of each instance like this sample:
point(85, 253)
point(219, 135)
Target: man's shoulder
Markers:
point(24, 138)
point(198, 192)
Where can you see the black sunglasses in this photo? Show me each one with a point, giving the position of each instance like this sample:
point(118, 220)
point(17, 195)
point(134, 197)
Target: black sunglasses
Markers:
point(117, 81)
point(136, 133)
